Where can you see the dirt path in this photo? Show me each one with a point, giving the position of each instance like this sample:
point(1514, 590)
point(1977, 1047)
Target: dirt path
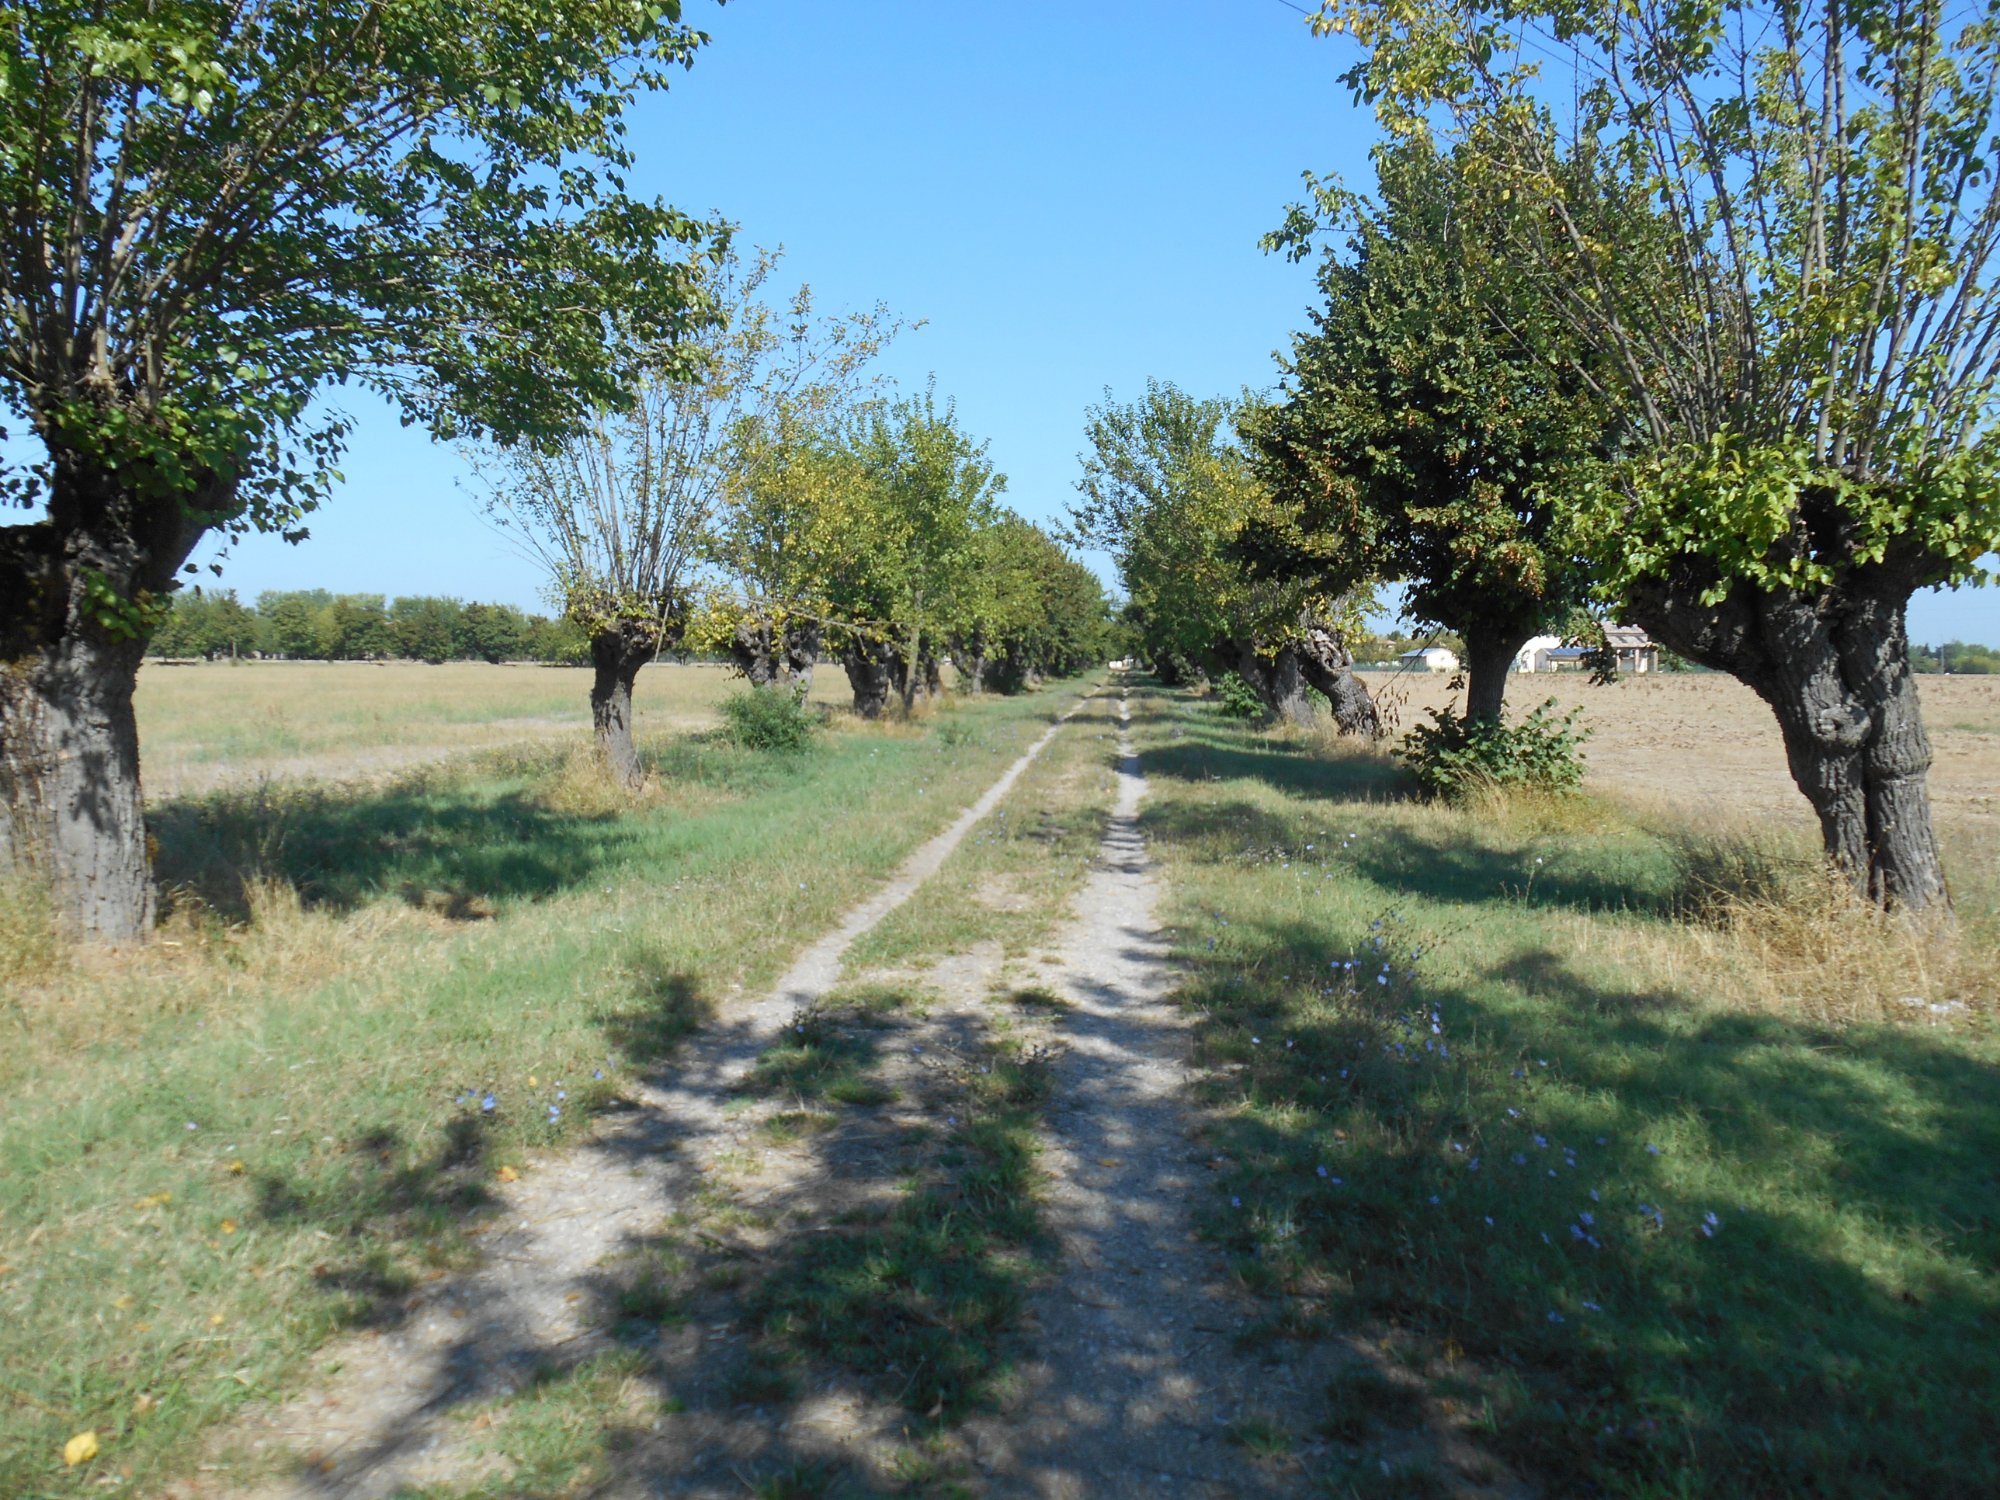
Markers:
point(1137, 1389)
point(388, 1419)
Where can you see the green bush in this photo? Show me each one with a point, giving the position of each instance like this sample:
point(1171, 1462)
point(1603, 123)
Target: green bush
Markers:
point(1236, 699)
point(1451, 758)
point(768, 719)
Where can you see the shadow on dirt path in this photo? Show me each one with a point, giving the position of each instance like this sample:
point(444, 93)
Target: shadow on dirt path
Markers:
point(388, 1420)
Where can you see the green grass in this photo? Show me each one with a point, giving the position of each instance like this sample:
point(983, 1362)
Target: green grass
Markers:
point(1011, 880)
point(219, 1154)
point(1664, 1242)
point(920, 1296)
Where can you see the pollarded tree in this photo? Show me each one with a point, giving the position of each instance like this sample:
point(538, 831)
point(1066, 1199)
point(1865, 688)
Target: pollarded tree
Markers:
point(1170, 494)
point(931, 493)
point(1436, 422)
point(792, 487)
point(1033, 611)
point(1777, 225)
point(213, 210)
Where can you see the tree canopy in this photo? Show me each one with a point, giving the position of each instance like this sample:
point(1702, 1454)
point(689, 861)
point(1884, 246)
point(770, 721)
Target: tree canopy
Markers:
point(213, 212)
point(1437, 422)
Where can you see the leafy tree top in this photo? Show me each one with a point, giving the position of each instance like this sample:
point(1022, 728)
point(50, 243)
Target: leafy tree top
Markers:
point(1435, 419)
point(215, 208)
point(1776, 224)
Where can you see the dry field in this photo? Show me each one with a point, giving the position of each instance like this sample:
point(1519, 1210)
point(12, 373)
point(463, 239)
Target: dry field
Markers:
point(1705, 744)
point(222, 724)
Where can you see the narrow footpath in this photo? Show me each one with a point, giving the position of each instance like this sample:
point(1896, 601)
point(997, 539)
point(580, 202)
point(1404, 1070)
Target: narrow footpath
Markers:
point(1136, 1388)
point(386, 1422)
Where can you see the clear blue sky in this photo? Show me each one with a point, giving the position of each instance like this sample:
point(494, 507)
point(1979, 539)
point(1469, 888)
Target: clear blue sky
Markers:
point(1070, 194)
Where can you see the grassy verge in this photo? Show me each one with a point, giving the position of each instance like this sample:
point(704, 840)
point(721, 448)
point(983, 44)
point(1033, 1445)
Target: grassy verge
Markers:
point(879, 1243)
point(1011, 881)
point(1484, 1091)
point(229, 1146)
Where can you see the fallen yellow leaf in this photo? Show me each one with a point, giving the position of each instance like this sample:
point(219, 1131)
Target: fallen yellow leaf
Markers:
point(121, 1303)
point(80, 1449)
point(236, 1169)
point(229, 1226)
point(507, 1174)
point(154, 1200)
point(215, 1320)
point(144, 1402)
point(532, 1080)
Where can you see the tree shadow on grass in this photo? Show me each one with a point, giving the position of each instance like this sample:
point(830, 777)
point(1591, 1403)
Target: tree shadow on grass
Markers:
point(1539, 1195)
point(1204, 754)
point(454, 849)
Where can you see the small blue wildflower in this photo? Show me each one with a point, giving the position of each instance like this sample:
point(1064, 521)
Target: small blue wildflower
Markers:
point(1520, 1159)
point(1651, 1149)
point(1592, 1307)
point(1587, 1218)
point(1434, 1200)
point(1322, 1169)
point(597, 1072)
point(488, 1104)
point(1235, 1202)
point(1541, 1143)
point(555, 1114)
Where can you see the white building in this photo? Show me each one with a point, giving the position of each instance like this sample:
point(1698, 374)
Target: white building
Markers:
point(1534, 654)
point(1430, 659)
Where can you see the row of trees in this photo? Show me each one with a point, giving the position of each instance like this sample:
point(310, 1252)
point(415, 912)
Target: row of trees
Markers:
point(1708, 332)
point(216, 212)
point(1714, 344)
point(313, 624)
point(781, 507)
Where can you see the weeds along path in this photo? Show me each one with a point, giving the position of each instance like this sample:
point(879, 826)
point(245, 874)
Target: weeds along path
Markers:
point(390, 1417)
point(1135, 1387)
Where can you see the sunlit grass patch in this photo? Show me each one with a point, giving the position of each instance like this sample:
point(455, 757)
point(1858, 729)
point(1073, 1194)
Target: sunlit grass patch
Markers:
point(1673, 1236)
point(1011, 880)
point(270, 1125)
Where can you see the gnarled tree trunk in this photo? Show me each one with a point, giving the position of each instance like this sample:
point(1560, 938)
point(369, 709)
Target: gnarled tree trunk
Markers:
point(1277, 679)
point(801, 654)
point(616, 656)
point(754, 651)
point(1836, 671)
point(871, 674)
point(1328, 665)
point(78, 594)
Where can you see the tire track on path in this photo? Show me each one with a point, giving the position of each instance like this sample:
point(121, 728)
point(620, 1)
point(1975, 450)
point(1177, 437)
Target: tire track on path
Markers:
point(1136, 1384)
point(386, 1421)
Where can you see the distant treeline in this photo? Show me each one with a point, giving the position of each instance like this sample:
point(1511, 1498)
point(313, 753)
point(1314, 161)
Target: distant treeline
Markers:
point(1955, 656)
point(314, 625)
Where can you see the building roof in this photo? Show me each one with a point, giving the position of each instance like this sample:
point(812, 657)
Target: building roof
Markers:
point(1627, 638)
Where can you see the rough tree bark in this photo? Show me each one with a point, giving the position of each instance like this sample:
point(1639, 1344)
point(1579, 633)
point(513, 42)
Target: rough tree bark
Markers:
point(870, 673)
point(616, 656)
point(754, 651)
point(800, 654)
point(78, 590)
point(1489, 656)
point(766, 654)
point(1275, 675)
point(1329, 666)
point(1835, 669)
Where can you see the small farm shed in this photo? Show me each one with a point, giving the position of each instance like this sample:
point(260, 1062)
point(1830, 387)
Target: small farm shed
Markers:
point(1634, 648)
point(1430, 659)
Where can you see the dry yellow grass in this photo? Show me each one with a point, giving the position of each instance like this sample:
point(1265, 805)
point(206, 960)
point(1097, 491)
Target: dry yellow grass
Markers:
point(228, 724)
